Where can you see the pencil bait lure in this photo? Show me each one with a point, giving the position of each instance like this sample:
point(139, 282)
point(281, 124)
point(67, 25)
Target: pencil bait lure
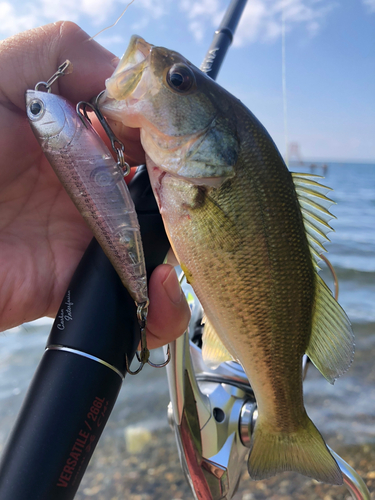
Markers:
point(94, 182)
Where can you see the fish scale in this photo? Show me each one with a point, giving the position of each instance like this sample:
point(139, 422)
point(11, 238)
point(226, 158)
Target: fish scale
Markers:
point(254, 323)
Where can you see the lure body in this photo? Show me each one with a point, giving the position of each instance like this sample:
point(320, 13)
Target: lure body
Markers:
point(94, 182)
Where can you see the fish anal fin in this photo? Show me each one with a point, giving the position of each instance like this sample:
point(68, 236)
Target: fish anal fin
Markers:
point(213, 350)
point(303, 451)
point(331, 346)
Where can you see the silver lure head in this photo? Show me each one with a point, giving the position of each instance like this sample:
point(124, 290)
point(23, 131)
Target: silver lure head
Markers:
point(53, 120)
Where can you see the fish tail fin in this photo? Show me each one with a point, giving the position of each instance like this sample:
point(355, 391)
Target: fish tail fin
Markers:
point(303, 451)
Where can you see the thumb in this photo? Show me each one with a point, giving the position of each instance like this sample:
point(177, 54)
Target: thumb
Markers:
point(169, 313)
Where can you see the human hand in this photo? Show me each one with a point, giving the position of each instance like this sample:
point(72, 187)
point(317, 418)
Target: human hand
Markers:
point(42, 235)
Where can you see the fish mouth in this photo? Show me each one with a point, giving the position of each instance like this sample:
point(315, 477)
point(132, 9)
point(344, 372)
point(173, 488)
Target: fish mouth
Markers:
point(124, 81)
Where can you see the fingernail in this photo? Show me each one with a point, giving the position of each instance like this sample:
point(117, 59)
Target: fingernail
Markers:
point(115, 62)
point(172, 287)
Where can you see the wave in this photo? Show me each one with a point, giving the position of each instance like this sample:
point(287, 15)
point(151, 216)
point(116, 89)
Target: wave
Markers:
point(349, 274)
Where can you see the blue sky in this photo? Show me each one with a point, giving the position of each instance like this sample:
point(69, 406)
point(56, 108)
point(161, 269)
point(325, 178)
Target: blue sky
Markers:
point(330, 59)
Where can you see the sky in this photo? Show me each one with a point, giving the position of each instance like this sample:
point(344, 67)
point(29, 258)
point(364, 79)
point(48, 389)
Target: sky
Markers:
point(328, 103)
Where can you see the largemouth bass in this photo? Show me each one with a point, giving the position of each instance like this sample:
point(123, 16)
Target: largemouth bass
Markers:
point(94, 182)
point(247, 234)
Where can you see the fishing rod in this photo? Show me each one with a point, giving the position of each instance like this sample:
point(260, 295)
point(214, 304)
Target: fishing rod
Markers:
point(222, 39)
point(76, 386)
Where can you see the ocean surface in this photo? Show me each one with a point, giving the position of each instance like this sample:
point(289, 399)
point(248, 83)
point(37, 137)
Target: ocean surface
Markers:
point(344, 412)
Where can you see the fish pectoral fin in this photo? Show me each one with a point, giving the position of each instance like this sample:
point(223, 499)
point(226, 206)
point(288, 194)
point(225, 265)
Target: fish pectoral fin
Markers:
point(331, 346)
point(214, 223)
point(303, 451)
point(214, 351)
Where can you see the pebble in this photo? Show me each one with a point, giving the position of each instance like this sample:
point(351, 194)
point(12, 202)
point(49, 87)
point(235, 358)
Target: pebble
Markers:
point(155, 474)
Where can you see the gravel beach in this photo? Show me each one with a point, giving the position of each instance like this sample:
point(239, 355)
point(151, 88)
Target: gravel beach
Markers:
point(155, 472)
point(114, 474)
point(344, 413)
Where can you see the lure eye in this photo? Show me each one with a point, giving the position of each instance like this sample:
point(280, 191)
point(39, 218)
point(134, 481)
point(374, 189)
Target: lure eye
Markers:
point(180, 78)
point(103, 177)
point(36, 108)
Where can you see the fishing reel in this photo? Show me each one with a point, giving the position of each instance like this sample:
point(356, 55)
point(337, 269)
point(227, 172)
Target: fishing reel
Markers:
point(213, 413)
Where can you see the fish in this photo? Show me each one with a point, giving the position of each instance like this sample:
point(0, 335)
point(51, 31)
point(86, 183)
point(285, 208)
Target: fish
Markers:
point(94, 182)
point(247, 233)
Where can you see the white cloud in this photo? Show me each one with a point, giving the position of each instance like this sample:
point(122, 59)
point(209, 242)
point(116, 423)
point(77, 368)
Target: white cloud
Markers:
point(149, 12)
point(106, 40)
point(200, 14)
point(370, 4)
point(261, 19)
point(12, 22)
point(152, 8)
point(31, 14)
point(140, 24)
point(75, 10)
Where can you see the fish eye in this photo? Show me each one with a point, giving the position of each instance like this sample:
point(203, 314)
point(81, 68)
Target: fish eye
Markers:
point(36, 108)
point(180, 78)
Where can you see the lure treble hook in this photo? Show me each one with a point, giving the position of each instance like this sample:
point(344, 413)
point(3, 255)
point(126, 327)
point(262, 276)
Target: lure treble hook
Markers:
point(117, 146)
point(144, 355)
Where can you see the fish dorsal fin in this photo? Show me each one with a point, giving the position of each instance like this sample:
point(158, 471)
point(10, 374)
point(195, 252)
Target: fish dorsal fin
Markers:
point(314, 207)
point(331, 346)
point(213, 350)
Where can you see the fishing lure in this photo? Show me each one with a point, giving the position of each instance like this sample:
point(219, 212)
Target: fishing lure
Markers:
point(95, 183)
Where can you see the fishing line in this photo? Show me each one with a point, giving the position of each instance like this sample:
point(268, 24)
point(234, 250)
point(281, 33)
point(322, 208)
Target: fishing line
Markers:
point(114, 24)
point(283, 77)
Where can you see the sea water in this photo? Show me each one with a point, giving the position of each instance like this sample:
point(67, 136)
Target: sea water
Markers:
point(344, 413)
